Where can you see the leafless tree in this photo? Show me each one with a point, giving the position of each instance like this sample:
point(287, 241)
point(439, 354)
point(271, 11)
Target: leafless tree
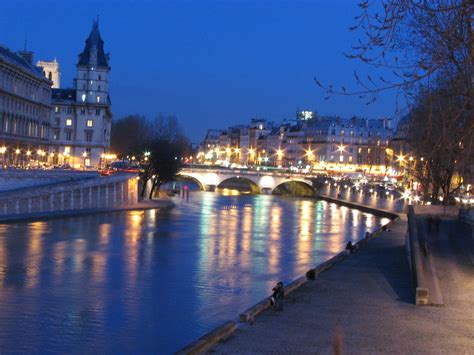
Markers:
point(427, 49)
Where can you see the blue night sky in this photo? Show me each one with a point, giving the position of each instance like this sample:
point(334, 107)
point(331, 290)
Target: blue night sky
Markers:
point(211, 63)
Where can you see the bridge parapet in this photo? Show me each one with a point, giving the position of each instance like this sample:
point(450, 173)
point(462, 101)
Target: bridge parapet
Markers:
point(266, 181)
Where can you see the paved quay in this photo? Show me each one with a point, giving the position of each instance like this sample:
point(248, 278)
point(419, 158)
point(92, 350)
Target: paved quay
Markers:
point(367, 301)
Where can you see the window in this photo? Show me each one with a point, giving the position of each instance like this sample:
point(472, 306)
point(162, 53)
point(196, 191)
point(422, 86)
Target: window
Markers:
point(89, 123)
point(368, 150)
point(88, 135)
point(83, 76)
point(350, 159)
point(56, 134)
point(341, 158)
point(56, 121)
point(359, 150)
point(97, 111)
point(98, 88)
point(333, 132)
point(83, 97)
point(69, 110)
point(68, 122)
point(68, 135)
point(83, 111)
point(98, 99)
point(56, 109)
point(342, 132)
point(100, 78)
point(67, 150)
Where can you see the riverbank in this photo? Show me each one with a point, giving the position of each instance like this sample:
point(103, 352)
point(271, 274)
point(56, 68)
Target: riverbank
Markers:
point(139, 206)
point(365, 304)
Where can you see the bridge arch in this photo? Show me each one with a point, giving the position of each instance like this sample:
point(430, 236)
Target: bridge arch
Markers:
point(294, 187)
point(238, 182)
point(192, 178)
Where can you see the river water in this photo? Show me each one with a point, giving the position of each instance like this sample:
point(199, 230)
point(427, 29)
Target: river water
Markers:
point(153, 281)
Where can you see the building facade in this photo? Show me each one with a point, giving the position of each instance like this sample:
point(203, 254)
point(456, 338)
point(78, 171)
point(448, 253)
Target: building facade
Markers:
point(81, 116)
point(25, 106)
point(321, 143)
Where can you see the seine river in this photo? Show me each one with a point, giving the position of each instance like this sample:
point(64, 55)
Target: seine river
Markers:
point(154, 281)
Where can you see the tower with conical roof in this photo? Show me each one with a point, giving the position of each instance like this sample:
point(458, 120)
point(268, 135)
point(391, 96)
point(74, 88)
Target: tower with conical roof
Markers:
point(92, 71)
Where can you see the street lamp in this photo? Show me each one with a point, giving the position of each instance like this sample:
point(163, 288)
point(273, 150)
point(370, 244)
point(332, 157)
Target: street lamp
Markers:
point(3, 150)
point(84, 155)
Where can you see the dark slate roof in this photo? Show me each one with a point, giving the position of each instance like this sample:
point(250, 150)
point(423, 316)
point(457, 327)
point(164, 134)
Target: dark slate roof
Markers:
point(17, 60)
point(94, 40)
point(63, 95)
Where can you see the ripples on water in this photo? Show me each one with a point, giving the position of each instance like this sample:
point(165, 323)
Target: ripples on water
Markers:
point(155, 281)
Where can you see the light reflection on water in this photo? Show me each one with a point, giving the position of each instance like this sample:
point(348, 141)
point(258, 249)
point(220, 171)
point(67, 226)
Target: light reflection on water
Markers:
point(153, 281)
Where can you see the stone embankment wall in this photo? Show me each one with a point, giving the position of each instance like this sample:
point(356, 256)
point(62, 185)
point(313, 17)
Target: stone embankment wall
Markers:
point(14, 179)
point(84, 194)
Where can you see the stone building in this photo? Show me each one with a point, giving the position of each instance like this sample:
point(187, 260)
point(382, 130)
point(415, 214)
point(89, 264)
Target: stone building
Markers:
point(25, 106)
point(82, 117)
point(51, 71)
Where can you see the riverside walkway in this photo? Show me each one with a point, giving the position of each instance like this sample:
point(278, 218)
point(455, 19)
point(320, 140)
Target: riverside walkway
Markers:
point(365, 304)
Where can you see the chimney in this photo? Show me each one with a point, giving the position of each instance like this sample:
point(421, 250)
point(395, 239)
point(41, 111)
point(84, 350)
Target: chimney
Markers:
point(26, 55)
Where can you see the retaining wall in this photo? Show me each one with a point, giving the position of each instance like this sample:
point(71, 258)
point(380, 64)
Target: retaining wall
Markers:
point(91, 193)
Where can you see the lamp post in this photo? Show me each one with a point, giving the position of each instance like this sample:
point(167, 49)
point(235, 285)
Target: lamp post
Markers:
point(28, 155)
point(3, 150)
point(279, 156)
point(38, 157)
point(17, 153)
point(84, 155)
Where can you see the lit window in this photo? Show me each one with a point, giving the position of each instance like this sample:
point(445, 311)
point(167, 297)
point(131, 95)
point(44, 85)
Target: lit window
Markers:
point(83, 97)
point(67, 150)
point(98, 98)
point(89, 123)
point(56, 109)
point(68, 122)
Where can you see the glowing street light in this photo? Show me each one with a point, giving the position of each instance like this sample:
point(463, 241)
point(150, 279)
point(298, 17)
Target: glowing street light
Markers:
point(279, 153)
point(341, 148)
point(400, 158)
point(309, 154)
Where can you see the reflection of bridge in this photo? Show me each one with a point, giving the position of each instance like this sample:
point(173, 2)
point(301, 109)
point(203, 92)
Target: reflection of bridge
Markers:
point(265, 181)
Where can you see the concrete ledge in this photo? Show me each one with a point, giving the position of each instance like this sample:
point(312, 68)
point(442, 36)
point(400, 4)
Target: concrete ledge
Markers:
point(166, 204)
point(364, 208)
point(210, 339)
point(258, 308)
point(330, 262)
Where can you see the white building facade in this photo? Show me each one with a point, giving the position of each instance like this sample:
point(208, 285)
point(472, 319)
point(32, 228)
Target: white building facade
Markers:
point(25, 105)
point(81, 117)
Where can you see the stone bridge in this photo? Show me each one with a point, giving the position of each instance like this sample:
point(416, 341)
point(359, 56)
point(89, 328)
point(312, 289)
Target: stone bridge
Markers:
point(265, 182)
